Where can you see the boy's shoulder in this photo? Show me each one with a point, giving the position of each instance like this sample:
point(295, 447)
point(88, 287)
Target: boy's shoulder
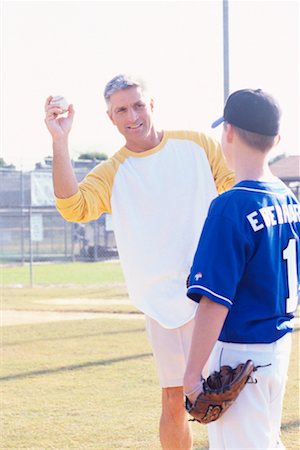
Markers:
point(252, 190)
point(249, 194)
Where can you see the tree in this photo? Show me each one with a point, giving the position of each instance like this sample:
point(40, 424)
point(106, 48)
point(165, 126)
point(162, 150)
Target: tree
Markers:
point(4, 165)
point(275, 158)
point(93, 156)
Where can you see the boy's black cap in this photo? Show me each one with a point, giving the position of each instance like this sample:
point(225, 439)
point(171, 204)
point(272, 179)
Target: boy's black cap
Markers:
point(252, 110)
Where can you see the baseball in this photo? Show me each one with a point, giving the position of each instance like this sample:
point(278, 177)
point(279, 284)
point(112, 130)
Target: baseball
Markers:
point(61, 102)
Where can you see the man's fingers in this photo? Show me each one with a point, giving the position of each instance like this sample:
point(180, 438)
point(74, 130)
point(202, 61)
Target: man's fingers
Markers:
point(71, 111)
point(53, 111)
point(47, 103)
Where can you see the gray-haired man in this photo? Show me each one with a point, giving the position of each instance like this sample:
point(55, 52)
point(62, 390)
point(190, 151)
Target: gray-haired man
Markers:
point(158, 188)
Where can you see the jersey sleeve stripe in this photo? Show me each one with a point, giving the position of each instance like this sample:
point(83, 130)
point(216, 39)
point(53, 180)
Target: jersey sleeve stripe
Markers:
point(195, 286)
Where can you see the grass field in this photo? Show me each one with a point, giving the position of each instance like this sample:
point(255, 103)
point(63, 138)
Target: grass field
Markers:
point(87, 287)
point(63, 274)
point(79, 384)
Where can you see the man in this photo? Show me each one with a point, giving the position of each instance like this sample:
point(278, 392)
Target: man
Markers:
point(158, 188)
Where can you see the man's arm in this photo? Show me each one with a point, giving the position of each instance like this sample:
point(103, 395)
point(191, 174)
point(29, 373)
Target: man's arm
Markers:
point(223, 176)
point(64, 180)
point(209, 320)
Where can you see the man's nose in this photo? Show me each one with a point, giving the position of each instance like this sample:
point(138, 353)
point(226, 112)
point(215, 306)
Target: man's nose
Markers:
point(132, 114)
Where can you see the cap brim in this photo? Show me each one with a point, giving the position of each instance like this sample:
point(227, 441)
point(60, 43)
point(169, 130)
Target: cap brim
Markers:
point(216, 123)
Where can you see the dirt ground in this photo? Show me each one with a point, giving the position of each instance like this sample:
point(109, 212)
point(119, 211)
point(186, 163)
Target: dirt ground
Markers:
point(13, 317)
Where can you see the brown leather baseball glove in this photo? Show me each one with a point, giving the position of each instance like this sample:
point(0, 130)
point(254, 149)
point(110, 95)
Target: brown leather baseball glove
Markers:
point(220, 390)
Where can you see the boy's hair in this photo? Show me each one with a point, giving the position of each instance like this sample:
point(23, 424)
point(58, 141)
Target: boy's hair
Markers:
point(120, 82)
point(255, 140)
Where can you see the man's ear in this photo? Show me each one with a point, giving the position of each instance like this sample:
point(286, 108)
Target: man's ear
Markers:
point(108, 112)
point(151, 104)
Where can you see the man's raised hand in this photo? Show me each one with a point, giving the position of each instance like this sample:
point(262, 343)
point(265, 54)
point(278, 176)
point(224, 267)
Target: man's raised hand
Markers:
point(59, 126)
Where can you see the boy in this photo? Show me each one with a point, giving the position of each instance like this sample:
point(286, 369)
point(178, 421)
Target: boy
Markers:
point(244, 276)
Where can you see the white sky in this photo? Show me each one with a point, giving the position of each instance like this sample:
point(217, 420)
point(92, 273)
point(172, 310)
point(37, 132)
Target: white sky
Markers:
point(74, 48)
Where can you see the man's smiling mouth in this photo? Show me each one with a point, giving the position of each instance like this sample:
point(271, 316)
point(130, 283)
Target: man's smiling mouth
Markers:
point(134, 127)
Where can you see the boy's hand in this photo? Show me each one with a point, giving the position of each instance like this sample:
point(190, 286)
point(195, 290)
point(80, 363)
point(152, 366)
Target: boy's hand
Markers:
point(193, 394)
point(220, 390)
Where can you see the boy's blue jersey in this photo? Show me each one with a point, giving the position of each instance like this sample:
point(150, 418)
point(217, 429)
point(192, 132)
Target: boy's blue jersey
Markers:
point(248, 260)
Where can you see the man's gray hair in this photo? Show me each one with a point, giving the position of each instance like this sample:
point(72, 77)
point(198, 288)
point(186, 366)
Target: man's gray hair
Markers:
point(120, 82)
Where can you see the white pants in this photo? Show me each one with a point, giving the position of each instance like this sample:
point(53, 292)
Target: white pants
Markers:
point(254, 420)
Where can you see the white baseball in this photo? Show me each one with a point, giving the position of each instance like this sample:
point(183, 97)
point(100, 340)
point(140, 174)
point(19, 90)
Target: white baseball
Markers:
point(61, 102)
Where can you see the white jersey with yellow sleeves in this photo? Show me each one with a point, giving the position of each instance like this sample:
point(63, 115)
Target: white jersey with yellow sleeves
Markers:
point(158, 200)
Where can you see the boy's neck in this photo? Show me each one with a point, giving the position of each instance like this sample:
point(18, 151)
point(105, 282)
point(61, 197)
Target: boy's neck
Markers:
point(253, 165)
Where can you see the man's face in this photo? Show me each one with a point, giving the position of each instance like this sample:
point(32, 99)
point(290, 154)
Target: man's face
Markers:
point(131, 112)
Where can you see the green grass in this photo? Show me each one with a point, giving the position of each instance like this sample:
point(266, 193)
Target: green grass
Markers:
point(111, 299)
point(80, 387)
point(63, 282)
point(63, 274)
point(78, 384)
point(92, 385)
point(86, 385)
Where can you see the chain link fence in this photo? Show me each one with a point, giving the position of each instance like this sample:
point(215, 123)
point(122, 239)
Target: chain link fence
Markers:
point(32, 229)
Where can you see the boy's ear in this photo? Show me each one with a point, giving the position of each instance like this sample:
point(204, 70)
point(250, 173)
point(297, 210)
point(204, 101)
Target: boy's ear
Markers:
point(277, 139)
point(229, 133)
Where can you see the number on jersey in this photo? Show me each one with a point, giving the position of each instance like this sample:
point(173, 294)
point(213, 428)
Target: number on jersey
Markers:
point(290, 256)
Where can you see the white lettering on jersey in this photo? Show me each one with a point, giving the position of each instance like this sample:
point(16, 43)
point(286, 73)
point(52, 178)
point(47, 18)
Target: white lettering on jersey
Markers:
point(268, 215)
point(254, 222)
point(273, 215)
point(279, 214)
point(297, 212)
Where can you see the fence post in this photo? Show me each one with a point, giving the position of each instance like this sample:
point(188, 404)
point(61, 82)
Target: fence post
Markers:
point(72, 240)
point(95, 241)
point(30, 249)
point(22, 216)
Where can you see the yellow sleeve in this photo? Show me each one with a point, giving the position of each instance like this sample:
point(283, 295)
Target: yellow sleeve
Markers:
point(93, 196)
point(224, 178)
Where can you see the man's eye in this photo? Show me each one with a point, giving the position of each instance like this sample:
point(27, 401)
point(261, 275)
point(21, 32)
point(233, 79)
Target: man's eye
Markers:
point(139, 105)
point(121, 110)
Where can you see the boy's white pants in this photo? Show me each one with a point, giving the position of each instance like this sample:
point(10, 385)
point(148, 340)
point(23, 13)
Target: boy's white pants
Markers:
point(253, 421)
